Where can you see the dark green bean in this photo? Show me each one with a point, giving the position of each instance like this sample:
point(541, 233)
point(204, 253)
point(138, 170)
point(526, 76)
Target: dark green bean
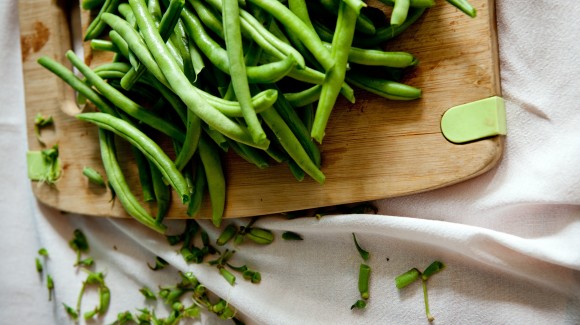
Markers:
point(413, 3)
point(162, 194)
point(384, 34)
point(191, 140)
point(91, 4)
point(151, 150)
point(363, 24)
point(216, 181)
point(199, 185)
point(291, 144)
point(144, 175)
point(119, 185)
point(249, 154)
point(96, 27)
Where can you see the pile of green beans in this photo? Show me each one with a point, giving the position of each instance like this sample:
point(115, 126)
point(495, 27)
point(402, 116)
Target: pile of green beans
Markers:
point(259, 77)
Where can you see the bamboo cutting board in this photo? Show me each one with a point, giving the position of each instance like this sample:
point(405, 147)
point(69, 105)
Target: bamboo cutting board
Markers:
point(373, 149)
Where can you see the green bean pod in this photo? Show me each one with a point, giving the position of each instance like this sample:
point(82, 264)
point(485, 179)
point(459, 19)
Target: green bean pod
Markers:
point(216, 181)
point(291, 144)
point(341, 44)
point(151, 150)
point(305, 97)
point(413, 3)
point(96, 27)
point(384, 34)
point(120, 186)
point(237, 68)
point(385, 88)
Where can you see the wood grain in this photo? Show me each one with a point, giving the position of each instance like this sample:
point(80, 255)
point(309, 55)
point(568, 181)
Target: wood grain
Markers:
point(373, 149)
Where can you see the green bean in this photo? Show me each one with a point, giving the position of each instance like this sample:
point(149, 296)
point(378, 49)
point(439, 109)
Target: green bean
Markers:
point(136, 44)
point(102, 45)
point(96, 27)
point(119, 185)
point(385, 88)
point(304, 97)
point(400, 11)
point(191, 140)
point(233, 38)
point(363, 280)
point(155, 9)
point(195, 57)
point(266, 73)
point(341, 44)
point(93, 176)
point(299, 8)
point(124, 103)
point(181, 85)
point(144, 175)
point(151, 150)
point(296, 171)
point(69, 77)
point(384, 34)
point(464, 6)
point(217, 137)
point(291, 118)
point(307, 116)
point(363, 23)
point(379, 57)
point(312, 76)
point(216, 181)
point(206, 15)
point(249, 154)
point(162, 195)
point(199, 185)
point(166, 27)
point(298, 27)
point(124, 49)
point(291, 144)
point(413, 3)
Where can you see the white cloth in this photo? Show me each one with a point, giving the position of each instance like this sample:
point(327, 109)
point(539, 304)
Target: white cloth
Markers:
point(510, 238)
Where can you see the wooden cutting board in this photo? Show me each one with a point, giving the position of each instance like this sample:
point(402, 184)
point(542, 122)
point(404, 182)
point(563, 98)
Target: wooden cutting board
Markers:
point(373, 149)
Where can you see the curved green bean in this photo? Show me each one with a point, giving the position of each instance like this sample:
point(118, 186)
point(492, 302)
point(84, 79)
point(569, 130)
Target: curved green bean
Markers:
point(77, 84)
point(400, 11)
point(305, 97)
point(162, 195)
point(119, 185)
point(192, 134)
point(147, 146)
